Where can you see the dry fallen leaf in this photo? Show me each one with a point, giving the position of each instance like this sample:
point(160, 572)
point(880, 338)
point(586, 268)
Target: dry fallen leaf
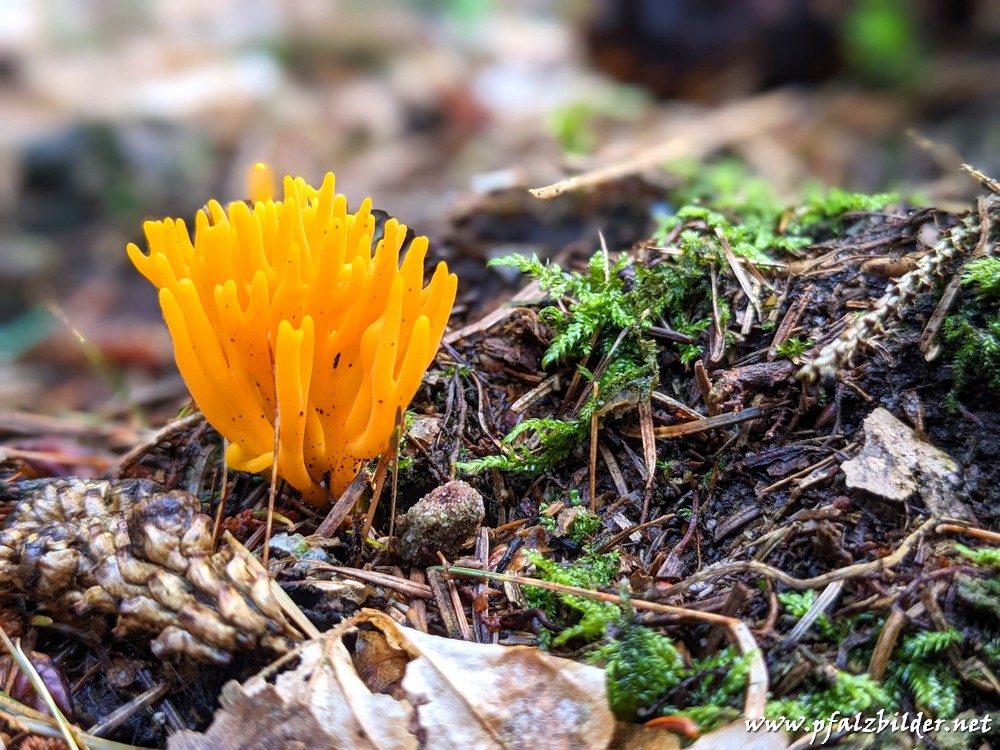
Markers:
point(736, 734)
point(453, 694)
point(380, 664)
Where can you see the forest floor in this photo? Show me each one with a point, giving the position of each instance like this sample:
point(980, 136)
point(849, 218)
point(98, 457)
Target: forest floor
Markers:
point(773, 427)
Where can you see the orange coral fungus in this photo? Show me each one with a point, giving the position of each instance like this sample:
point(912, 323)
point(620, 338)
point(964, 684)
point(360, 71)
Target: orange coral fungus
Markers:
point(281, 310)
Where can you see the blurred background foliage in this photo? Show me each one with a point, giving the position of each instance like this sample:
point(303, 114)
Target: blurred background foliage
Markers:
point(443, 111)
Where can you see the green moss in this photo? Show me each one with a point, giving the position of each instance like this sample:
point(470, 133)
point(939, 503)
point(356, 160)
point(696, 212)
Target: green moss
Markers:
point(605, 313)
point(755, 221)
point(798, 604)
point(572, 124)
point(835, 690)
point(792, 348)
point(641, 665)
point(585, 524)
point(987, 557)
point(603, 310)
point(532, 447)
point(973, 332)
point(598, 300)
point(918, 671)
point(919, 668)
point(584, 618)
point(645, 672)
point(821, 205)
point(728, 185)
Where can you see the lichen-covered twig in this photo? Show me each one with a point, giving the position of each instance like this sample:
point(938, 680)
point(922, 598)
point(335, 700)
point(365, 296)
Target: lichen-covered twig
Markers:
point(131, 549)
point(898, 295)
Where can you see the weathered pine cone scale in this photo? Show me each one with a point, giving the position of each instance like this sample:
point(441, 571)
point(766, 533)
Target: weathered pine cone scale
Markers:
point(130, 549)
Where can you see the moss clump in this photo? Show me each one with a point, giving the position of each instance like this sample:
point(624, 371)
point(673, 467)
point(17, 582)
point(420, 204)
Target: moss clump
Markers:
point(836, 690)
point(920, 669)
point(973, 332)
point(792, 348)
point(585, 618)
point(748, 211)
point(531, 448)
point(648, 676)
point(607, 312)
point(641, 666)
point(574, 521)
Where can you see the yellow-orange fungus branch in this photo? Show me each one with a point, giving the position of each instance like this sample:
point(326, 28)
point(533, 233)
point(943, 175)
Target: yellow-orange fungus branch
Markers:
point(283, 310)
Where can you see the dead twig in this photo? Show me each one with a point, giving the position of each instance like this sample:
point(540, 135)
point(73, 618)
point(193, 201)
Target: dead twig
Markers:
point(406, 587)
point(41, 690)
point(614, 470)
point(822, 603)
point(646, 429)
point(447, 610)
point(672, 562)
point(119, 716)
point(168, 433)
point(594, 431)
point(801, 584)
point(704, 384)
point(746, 284)
point(955, 528)
point(343, 507)
point(702, 425)
point(789, 322)
point(697, 138)
point(886, 644)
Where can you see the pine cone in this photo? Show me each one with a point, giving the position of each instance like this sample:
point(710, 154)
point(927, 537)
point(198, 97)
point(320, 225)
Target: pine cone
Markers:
point(131, 549)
